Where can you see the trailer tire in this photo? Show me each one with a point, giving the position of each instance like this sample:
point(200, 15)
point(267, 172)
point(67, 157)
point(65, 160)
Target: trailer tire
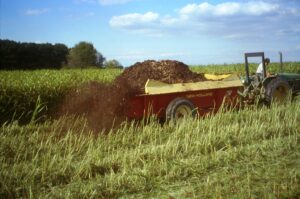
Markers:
point(179, 108)
point(278, 91)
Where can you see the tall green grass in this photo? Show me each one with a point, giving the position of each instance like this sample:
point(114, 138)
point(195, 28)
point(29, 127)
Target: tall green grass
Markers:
point(238, 154)
point(20, 91)
point(289, 67)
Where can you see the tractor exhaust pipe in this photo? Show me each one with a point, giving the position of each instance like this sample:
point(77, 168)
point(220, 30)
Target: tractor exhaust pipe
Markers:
point(281, 64)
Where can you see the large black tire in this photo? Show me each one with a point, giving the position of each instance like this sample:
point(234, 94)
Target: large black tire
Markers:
point(179, 108)
point(278, 91)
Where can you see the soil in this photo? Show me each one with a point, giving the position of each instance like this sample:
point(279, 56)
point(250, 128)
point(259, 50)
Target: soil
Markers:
point(103, 104)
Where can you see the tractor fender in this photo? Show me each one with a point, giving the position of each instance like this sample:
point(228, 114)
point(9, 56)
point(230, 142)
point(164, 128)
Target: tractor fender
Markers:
point(267, 80)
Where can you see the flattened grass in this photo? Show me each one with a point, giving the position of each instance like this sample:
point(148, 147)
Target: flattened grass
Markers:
point(238, 154)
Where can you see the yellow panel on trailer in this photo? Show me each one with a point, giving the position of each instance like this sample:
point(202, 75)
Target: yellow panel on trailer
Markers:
point(216, 77)
point(153, 87)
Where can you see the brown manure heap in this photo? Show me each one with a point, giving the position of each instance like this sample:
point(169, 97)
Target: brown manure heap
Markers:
point(104, 104)
point(167, 71)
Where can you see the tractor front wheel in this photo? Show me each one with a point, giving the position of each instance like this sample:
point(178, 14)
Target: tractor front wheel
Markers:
point(278, 91)
point(180, 108)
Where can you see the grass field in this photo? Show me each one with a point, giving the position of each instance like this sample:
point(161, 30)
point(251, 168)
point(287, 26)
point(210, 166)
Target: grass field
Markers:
point(251, 153)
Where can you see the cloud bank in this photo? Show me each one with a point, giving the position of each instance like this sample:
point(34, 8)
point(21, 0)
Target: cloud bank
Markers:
point(231, 20)
point(229, 9)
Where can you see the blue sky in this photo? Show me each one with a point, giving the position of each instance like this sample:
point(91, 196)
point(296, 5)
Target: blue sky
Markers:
point(192, 31)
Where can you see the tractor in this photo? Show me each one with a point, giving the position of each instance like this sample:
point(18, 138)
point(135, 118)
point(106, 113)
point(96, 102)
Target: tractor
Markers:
point(269, 89)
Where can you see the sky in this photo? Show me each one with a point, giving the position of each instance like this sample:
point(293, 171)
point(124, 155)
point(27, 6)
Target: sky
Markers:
point(192, 31)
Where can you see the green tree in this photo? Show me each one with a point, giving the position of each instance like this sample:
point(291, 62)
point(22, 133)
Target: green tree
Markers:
point(83, 55)
point(112, 64)
point(17, 55)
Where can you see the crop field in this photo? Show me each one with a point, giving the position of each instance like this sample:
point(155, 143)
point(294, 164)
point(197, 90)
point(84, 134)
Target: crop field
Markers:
point(249, 153)
point(23, 91)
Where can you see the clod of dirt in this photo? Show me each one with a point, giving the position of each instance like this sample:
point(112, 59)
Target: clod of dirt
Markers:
point(104, 105)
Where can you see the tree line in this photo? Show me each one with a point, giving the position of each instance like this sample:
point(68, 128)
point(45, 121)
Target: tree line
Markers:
point(23, 55)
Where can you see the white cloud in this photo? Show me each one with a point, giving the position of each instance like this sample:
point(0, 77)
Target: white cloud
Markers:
point(230, 20)
point(134, 19)
point(260, 8)
point(229, 9)
point(203, 8)
point(36, 11)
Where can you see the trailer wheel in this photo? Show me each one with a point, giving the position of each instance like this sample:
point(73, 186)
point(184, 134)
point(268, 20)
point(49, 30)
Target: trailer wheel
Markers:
point(179, 108)
point(278, 91)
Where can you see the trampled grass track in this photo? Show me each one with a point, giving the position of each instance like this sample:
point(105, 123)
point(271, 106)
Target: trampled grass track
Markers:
point(238, 154)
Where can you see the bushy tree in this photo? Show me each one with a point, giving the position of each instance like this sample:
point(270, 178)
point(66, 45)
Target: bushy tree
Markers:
point(112, 64)
point(84, 55)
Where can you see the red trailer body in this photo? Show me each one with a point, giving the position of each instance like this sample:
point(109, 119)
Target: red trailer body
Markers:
point(205, 101)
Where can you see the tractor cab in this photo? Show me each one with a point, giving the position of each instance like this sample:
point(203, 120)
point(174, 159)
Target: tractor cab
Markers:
point(249, 79)
point(267, 89)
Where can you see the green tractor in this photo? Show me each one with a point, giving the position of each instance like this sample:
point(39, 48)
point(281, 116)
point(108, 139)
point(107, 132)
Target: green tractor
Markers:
point(268, 89)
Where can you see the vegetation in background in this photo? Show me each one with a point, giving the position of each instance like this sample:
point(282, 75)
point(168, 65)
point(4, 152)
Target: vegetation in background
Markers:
point(112, 64)
point(16, 55)
point(21, 56)
point(273, 68)
point(83, 55)
point(20, 90)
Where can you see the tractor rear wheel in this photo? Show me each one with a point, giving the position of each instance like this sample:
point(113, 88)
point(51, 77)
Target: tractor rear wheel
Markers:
point(180, 108)
point(278, 91)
